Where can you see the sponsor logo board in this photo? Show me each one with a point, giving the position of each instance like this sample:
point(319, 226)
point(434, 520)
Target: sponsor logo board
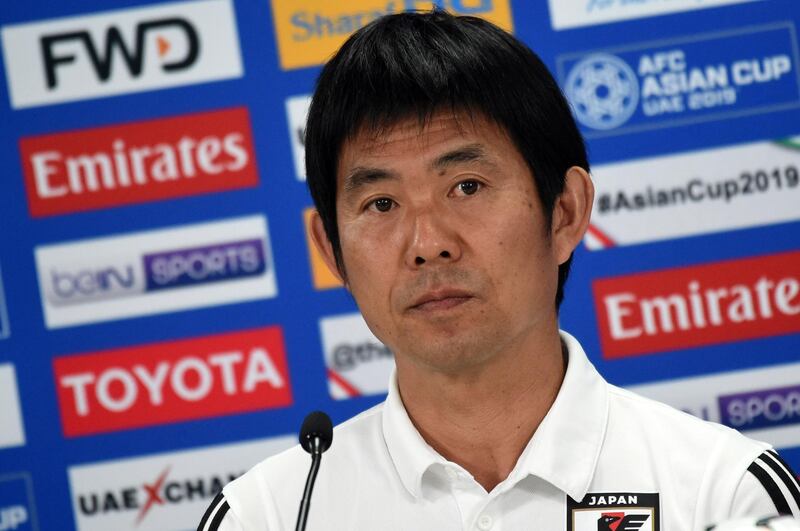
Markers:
point(13, 432)
point(138, 162)
point(683, 80)
point(699, 305)
point(17, 508)
point(297, 115)
point(321, 275)
point(695, 193)
point(764, 403)
point(172, 381)
point(163, 270)
point(310, 31)
point(161, 492)
point(614, 511)
point(565, 14)
point(119, 52)
point(358, 363)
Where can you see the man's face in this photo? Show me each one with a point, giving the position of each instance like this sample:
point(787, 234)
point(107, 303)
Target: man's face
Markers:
point(445, 246)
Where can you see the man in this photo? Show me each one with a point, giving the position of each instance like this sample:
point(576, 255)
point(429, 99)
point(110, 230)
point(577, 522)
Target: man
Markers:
point(452, 187)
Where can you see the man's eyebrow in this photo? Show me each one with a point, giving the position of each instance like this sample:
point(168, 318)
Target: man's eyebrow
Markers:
point(468, 153)
point(361, 176)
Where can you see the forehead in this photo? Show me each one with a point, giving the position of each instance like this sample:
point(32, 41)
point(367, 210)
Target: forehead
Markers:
point(412, 138)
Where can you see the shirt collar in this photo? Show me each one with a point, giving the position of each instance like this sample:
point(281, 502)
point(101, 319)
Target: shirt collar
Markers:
point(566, 446)
point(412, 456)
point(563, 451)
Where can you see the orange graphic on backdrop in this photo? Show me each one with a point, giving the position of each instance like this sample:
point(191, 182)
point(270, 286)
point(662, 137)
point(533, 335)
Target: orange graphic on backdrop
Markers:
point(321, 276)
point(310, 31)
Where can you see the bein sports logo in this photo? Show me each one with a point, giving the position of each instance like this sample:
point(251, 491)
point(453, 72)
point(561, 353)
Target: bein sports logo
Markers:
point(603, 90)
point(158, 271)
point(761, 409)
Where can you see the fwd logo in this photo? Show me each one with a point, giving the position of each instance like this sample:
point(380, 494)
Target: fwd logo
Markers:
point(101, 55)
point(118, 52)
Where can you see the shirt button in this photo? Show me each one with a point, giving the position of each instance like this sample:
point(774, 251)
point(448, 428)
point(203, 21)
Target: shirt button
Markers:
point(485, 522)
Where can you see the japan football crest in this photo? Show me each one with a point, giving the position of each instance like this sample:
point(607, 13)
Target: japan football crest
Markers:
point(614, 511)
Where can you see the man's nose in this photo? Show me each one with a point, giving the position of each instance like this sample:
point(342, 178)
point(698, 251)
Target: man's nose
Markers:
point(433, 240)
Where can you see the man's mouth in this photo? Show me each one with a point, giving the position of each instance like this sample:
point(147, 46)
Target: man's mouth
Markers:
point(440, 299)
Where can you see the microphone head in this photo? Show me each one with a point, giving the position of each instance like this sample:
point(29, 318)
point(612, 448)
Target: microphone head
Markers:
point(316, 425)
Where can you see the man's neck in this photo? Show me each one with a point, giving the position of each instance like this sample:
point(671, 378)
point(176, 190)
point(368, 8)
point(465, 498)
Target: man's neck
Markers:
point(483, 419)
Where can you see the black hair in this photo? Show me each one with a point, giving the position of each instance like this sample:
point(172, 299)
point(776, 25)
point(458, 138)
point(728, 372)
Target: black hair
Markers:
point(415, 64)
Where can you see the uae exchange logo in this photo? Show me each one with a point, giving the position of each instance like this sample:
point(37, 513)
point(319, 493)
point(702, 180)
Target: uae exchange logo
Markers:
point(603, 90)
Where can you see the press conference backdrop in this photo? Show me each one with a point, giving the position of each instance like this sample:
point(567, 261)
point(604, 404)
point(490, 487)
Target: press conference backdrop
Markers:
point(164, 323)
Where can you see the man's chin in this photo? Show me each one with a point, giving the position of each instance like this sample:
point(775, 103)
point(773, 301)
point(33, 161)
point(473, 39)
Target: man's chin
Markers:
point(450, 353)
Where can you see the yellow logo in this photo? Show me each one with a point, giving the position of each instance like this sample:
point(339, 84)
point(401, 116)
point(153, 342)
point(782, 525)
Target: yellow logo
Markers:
point(310, 31)
point(321, 276)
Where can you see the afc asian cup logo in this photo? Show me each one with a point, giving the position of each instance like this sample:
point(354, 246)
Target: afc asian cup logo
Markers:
point(603, 90)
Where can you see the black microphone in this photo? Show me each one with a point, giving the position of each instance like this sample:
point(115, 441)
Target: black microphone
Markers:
point(316, 436)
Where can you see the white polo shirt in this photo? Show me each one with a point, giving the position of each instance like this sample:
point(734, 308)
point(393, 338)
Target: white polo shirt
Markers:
point(602, 459)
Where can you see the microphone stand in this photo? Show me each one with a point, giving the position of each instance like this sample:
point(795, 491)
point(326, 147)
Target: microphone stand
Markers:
point(305, 502)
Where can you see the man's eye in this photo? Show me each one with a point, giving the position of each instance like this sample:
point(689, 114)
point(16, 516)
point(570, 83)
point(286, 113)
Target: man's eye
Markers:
point(384, 204)
point(468, 187)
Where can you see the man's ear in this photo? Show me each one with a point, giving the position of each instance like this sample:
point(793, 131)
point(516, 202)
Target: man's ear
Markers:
point(323, 245)
point(571, 212)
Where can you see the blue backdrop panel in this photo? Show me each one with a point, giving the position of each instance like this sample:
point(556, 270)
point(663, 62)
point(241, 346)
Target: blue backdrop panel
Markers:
point(164, 324)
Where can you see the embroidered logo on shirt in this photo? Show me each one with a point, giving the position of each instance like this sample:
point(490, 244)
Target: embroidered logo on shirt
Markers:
point(614, 511)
